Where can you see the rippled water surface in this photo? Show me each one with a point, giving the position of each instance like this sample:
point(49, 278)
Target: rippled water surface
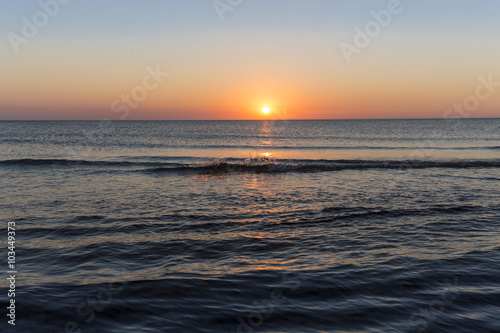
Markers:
point(253, 226)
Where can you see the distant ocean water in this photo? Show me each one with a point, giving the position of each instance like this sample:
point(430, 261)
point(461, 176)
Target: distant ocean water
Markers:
point(253, 226)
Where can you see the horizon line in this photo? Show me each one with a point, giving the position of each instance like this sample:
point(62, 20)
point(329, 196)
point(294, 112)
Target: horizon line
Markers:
point(302, 119)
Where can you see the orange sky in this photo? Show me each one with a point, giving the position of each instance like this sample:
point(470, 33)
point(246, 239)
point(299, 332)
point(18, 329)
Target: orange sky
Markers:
point(229, 71)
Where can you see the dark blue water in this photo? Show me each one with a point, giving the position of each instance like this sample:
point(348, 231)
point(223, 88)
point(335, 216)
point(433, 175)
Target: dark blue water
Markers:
point(249, 226)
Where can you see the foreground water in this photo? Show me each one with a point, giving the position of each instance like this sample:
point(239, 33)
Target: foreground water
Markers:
point(285, 226)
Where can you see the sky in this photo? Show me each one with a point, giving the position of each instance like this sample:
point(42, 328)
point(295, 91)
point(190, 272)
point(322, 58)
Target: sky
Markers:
point(227, 59)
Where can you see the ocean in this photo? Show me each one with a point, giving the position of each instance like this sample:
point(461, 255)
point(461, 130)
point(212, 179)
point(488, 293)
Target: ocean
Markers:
point(252, 226)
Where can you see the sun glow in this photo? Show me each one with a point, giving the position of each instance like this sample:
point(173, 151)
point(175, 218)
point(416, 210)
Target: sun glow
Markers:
point(266, 109)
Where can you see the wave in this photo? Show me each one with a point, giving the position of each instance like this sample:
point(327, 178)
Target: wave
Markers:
point(69, 162)
point(267, 165)
point(258, 165)
point(342, 212)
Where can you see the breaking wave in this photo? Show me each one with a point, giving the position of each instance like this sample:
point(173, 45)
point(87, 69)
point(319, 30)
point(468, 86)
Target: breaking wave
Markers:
point(259, 165)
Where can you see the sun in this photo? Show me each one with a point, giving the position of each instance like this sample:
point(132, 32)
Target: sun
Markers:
point(266, 109)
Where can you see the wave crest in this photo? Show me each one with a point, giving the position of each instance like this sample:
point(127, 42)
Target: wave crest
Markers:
point(260, 164)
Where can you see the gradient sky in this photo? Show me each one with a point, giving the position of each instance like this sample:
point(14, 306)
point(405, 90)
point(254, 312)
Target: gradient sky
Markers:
point(281, 53)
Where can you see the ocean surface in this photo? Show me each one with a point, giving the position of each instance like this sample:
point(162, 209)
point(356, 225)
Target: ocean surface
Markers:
point(252, 226)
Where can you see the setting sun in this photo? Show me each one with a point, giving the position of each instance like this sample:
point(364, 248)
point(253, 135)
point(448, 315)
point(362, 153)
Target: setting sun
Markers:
point(266, 109)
